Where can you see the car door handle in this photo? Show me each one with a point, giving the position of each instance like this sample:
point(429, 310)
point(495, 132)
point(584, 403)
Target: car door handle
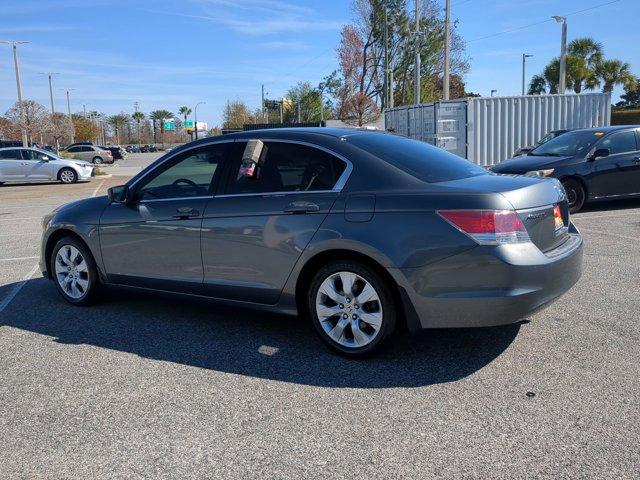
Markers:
point(301, 207)
point(186, 213)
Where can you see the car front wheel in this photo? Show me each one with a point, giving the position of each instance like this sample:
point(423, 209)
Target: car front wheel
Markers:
point(575, 194)
point(74, 271)
point(352, 308)
point(68, 175)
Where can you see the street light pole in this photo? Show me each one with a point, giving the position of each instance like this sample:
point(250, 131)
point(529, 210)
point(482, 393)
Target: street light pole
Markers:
point(53, 106)
point(23, 125)
point(195, 118)
point(493, 91)
point(524, 61)
point(416, 93)
point(447, 50)
point(562, 81)
point(73, 130)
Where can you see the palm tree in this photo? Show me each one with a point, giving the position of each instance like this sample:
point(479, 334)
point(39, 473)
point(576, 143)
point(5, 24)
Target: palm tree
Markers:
point(538, 85)
point(588, 49)
point(138, 117)
point(159, 115)
point(185, 112)
point(610, 73)
point(118, 121)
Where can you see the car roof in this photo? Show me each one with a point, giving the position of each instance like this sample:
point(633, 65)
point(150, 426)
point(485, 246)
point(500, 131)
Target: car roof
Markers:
point(612, 128)
point(283, 132)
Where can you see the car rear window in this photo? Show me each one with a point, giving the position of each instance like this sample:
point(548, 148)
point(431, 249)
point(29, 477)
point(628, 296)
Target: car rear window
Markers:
point(423, 161)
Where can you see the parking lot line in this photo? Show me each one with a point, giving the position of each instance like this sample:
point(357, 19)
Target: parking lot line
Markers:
point(16, 258)
point(95, 192)
point(16, 288)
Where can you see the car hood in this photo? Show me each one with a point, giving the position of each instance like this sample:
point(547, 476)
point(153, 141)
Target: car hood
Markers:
point(520, 165)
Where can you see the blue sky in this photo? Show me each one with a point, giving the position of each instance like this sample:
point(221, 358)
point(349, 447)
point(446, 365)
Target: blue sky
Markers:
point(164, 54)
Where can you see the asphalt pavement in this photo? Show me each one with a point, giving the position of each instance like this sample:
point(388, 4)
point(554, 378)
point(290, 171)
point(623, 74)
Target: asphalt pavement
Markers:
point(149, 386)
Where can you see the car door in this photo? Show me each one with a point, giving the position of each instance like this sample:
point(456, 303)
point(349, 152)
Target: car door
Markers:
point(76, 152)
point(618, 173)
point(154, 240)
point(37, 165)
point(11, 168)
point(275, 198)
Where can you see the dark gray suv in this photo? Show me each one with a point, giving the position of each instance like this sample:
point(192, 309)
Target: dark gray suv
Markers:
point(356, 230)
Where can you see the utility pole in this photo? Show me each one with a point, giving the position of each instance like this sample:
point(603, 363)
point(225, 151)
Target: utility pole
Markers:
point(53, 106)
point(321, 106)
point(562, 81)
point(524, 62)
point(282, 111)
point(14, 45)
point(447, 50)
point(299, 103)
point(416, 93)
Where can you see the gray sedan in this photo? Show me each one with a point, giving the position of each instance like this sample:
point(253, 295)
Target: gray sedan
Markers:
point(34, 165)
point(356, 231)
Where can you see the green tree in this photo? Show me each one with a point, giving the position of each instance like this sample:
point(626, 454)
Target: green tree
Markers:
point(159, 116)
point(610, 73)
point(631, 96)
point(538, 85)
point(138, 117)
point(118, 122)
point(185, 112)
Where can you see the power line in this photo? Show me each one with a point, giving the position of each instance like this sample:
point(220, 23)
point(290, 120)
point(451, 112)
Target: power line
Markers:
point(540, 22)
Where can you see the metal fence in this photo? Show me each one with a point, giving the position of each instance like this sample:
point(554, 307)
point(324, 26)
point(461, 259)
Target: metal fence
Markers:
point(487, 130)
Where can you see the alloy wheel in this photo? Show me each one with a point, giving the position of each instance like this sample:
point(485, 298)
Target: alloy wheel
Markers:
point(67, 176)
point(349, 309)
point(72, 272)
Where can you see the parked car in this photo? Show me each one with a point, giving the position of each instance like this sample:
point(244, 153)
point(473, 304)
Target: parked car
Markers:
point(358, 231)
point(117, 152)
point(35, 165)
point(148, 148)
point(549, 136)
point(91, 153)
point(593, 164)
point(132, 149)
point(76, 144)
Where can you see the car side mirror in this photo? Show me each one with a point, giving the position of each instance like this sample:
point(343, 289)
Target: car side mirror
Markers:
point(119, 194)
point(600, 153)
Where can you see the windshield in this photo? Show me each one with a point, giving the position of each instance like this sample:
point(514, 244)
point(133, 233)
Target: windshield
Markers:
point(569, 144)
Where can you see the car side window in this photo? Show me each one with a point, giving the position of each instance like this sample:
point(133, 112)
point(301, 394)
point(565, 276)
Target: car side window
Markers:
point(33, 155)
point(73, 149)
point(285, 167)
point(86, 149)
point(620, 142)
point(10, 155)
point(191, 174)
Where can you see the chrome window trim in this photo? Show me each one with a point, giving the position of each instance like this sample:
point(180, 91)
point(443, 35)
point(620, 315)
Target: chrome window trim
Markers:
point(337, 188)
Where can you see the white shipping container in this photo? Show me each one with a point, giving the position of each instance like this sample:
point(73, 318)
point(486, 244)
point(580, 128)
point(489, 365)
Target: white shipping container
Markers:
point(487, 130)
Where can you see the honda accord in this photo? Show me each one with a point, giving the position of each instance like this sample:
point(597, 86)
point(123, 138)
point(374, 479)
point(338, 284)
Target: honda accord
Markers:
point(357, 231)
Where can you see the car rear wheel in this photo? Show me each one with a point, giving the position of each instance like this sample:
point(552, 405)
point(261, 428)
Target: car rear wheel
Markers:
point(74, 271)
point(97, 160)
point(68, 175)
point(575, 194)
point(352, 308)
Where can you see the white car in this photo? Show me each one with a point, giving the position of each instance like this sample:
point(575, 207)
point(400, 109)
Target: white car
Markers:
point(27, 165)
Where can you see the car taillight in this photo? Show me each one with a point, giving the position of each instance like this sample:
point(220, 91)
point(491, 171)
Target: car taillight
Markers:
point(488, 227)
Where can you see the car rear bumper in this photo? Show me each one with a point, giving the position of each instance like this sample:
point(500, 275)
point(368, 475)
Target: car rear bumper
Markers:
point(488, 286)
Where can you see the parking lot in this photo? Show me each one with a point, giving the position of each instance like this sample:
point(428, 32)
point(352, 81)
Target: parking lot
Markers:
point(143, 385)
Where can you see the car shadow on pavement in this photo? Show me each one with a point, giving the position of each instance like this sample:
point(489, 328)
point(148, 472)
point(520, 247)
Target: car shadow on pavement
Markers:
point(610, 205)
point(203, 334)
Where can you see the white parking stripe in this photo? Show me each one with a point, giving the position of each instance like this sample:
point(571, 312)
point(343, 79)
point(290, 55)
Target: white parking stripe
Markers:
point(16, 288)
point(95, 192)
point(16, 258)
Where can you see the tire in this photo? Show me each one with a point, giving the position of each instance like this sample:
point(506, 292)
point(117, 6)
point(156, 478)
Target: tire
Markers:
point(84, 288)
point(67, 175)
point(576, 195)
point(374, 321)
point(97, 160)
